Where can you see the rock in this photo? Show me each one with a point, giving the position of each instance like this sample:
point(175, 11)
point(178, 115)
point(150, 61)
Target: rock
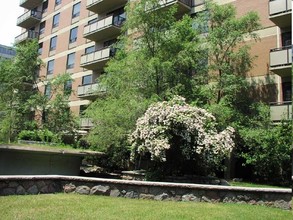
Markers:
point(146, 196)
point(100, 190)
point(8, 191)
point(162, 196)
point(41, 184)
point(20, 190)
point(115, 193)
point(13, 184)
point(282, 204)
point(83, 190)
point(131, 195)
point(189, 197)
point(224, 182)
point(69, 188)
point(33, 190)
point(27, 184)
point(205, 199)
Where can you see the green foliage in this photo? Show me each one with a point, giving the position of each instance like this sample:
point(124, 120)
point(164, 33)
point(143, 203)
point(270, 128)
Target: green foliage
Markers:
point(38, 135)
point(269, 152)
point(17, 80)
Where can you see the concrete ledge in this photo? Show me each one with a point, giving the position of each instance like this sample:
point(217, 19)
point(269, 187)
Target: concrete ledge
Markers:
point(31, 184)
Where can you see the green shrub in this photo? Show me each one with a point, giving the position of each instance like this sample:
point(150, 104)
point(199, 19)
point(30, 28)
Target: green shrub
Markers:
point(38, 135)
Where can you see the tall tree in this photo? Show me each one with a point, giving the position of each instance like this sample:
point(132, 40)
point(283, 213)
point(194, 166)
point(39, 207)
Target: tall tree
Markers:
point(17, 77)
point(155, 56)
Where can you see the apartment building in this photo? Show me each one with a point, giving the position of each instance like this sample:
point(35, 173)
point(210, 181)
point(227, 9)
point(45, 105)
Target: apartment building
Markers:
point(75, 36)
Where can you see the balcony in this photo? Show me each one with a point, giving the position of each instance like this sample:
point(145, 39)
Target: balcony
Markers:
point(280, 12)
point(29, 19)
point(91, 90)
point(106, 28)
point(100, 6)
point(281, 111)
point(30, 4)
point(28, 35)
point(281, 61)
point(97, 60)
point(183, 6)
point(86, 123)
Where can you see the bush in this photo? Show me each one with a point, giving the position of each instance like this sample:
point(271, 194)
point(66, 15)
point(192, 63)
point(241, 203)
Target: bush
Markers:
point(38, 135)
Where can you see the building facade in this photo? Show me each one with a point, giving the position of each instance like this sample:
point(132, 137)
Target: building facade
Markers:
point(6, 52)
point(75, 36)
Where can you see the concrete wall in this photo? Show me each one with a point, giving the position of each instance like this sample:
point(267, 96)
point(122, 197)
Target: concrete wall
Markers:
point(21, 185)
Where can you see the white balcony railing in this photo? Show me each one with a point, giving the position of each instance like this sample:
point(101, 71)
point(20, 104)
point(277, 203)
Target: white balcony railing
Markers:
point(281, 56)
point(26, 35)
point(279, 6)
point(86, 123)
point(31, 13)
point(88, 90)
point(97, 56)
point(281, 111)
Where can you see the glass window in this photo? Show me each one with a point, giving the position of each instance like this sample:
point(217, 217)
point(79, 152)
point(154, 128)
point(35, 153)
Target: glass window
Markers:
point(86, 80)
point(70, 61)
point(57, 2)
point(82, 109)
point(45, 7)
point(50, 67)
point(53, 43)
point(68, 87)
point(90, 50)
point(56, 20)
point(48, 90)
point(73, 35)
point(42, 27)
point(76, 10)
point(40, 50)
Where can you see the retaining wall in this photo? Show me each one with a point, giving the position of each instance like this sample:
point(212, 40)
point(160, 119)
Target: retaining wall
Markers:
point(22, 185)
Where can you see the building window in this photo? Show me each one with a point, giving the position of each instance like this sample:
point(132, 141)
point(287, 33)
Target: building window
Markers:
point(40, 50)
point(73, 35)
point(56, 20)
point(70, 61)
point(48, 90)
point(287, 91)
point(45, 7)
point(76, 10)
point(86, 80)
point(42, 27)
point(89, 49)
point(53, 43)
point(50, 67)
point(68, 87)
point(286, 38)
point(57, 2)
point(82, 109)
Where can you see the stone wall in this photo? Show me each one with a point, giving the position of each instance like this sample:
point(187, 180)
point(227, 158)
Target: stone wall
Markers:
point(21, 185)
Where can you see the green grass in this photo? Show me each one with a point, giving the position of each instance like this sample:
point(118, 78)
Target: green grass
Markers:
point(249, 184)
point(72, 206)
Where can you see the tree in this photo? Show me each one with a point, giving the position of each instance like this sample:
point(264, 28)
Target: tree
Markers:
point(17, 77)
point(186, 131)
point(150, 64)
point(52, 109)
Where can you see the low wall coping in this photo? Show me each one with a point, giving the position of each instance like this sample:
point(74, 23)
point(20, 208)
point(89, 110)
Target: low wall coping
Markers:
point(144, 183)
point(49, 150)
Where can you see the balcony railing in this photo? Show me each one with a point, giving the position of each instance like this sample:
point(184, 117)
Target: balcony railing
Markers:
point(86, 123)
point(280, 12)
point(281, 111)
point(90, 90)
point(26, 36)
point(184, 6)
point(30, 4)
point(100, 6)
point(97, 60)
point(281, 60)
point(105, 28)
point(29, 19)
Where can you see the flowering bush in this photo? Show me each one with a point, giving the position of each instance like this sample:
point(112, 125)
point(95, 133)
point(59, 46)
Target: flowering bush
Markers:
point(195, 127)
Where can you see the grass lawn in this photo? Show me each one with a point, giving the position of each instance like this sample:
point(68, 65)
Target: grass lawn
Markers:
point(249, 184)
point(72, 206)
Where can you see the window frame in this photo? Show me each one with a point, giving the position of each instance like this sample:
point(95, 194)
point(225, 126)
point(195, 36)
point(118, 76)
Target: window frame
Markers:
point(71, 39)
point(69, 58)
point(54, 25)
point(74, 12)
point(50, 63)
point(51, 40)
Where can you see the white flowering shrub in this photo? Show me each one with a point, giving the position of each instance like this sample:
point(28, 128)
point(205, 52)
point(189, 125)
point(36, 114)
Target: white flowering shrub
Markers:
point(195, 127)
